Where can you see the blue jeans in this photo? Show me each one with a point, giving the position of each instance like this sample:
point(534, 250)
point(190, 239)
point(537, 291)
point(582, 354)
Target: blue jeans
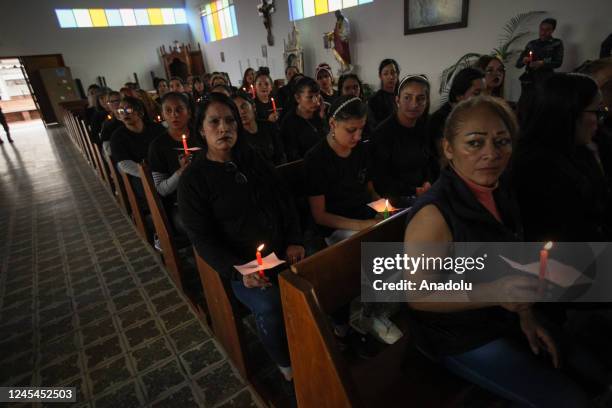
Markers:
point(512, 371)
point(267, 309)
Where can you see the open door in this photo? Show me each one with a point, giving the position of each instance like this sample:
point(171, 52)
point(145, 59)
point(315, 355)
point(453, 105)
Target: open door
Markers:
point(32, 65)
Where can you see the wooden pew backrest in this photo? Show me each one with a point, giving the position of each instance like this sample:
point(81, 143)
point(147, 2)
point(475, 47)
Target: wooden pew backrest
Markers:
point(137, 211)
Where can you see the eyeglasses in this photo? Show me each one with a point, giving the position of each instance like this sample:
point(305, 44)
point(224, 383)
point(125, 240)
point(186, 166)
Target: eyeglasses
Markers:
point(239, 176)
point(602, 113)
point(125, 111)
point(495, 71)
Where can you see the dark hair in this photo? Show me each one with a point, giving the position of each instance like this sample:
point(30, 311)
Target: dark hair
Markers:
point(384, 63)
point(158, 81)
point(291, 66)
point(420, 79)
point(344, 77)
point(244, 95)
point(245, 75)
point(348, 107)
point(550, 21)
point(176, 96)
point(110, 93)
point(558, 104)
point(224, 87)
point(482, 64)
point(463, 81)
point(137, 105)
point(175, 78)
point(496, 105)
point(260, 73)
point(306, 82)
point(93, 86)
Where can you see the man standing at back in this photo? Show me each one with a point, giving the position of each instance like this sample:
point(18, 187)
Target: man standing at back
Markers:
point(540, 58)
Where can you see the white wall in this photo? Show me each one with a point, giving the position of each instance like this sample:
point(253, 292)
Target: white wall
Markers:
point(378, 33)
point(30, 27)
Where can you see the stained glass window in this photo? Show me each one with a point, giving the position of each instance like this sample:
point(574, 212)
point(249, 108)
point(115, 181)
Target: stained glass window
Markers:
point(219, 20)
point(73, 18)
point(299, 9)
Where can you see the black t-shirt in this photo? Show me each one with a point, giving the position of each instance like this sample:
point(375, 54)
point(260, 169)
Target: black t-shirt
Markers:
point(108, 128)
point(330, 99)
point(382, 104)
point(267, 142)
point(98, 119)
point(127, 145)
point(299, 135)
point(342, 180)
point(263, 109)
point(401, 159)
point(230, 209)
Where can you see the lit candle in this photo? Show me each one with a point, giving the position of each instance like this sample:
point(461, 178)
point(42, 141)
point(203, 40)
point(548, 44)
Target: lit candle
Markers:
point(252, 92)
point(386, 212)
point(109, 117)
point(185, 145)
point(543, 265)
point(530, 56)
point(273, 105)
point(260, 260)
point(158, 119)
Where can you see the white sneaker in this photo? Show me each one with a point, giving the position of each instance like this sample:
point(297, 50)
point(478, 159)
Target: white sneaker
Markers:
point(381, 327)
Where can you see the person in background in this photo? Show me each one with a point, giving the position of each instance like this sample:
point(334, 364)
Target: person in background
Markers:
point(263, 95)
point(382, 103)
point(220, 88)
point(261, 135)
point(152, 108)
point(467, 83)
point(325, 78)
point(161, 87)
point(495, 74)
point(176, 85)
point(350, 84)
point(92, 101)
point(540, 58)
point(401, 160)
point(166, 156)
point(285, 94)
point(101, 115)
point(111, 123)
point(231, 201)
point(129, 144)
point(189, 84)
point(218, 78)
point(199, 90)
point(248, 79)
point(290, 72)
point(304, 125)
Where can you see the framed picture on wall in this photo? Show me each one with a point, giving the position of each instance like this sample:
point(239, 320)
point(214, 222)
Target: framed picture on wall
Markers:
point(423, 16)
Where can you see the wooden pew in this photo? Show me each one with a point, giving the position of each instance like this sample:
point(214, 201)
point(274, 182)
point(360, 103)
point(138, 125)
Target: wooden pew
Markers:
point(324, 377)
point(138, 213)
point(225, 315)
point(104, 168)
point(120, 194)
point(98, 165)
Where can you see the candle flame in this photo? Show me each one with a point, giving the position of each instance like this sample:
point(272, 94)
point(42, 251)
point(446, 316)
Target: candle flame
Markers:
point(108, 117)
point(184, 137)
point(548, 245)
point(272, 99)
point(386, 203)
point(259, 248)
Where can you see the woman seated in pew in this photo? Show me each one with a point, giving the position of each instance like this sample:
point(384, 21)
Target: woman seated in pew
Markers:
point(100, 115)
point(401, 160)
point(248, 80)
point(166, 156)
point(304, 126)
point(495, 74)
point(231, 201)
point(325, 78)
point(467, 83)
point(382, 103)
point(152, 108)
point(198, 90)
point(176, 85)
point(111, 122)
point(161, 87)
point(130, 143)
point(263, 136)
point(263, 93)
point(338, 177)
point(350, 84)
point(486, 343)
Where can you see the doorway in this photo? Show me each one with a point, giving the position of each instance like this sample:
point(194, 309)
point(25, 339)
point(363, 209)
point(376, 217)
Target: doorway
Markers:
point(16, 98)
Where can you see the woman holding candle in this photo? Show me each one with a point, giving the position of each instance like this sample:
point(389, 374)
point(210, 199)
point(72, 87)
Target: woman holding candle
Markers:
point(263, 98)
point(337, 168)
point(248, 79)
point(232, 201)
point(382, 103)
point(151, 107)
point(303, 126)
point(199, 90)
point(325, 78)
point(262, 136)
point(167, 157)
point(471, 203)
point(401, 158)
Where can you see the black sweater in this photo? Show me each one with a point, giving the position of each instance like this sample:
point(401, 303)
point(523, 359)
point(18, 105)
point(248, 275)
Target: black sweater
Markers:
point(401, 159)
point(382, 104)
point(299, 135)
point(267, 142)
point(227, 220)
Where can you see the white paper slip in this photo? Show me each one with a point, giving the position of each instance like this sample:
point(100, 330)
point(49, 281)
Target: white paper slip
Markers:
point(556, 272)
point(191, 149)
point(269, 262)
point(379, 206)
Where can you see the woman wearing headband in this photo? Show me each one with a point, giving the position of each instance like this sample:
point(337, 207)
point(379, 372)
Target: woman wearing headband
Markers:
point(401, 159)
point(325, 78)
point(338, 179)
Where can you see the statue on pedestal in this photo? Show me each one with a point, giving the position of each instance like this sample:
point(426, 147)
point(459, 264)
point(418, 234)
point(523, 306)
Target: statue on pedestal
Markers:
point(338, 41)
point(294, 54)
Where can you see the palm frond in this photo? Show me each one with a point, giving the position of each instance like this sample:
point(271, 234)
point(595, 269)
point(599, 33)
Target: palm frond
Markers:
point(463, 62)
point(516, 23)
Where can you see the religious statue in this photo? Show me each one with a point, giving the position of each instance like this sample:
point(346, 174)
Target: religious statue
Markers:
point(265, 10)
point(338, 41)
point(294, 54)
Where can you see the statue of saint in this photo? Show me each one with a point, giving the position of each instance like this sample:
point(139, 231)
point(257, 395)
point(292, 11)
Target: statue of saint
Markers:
point(339, 41)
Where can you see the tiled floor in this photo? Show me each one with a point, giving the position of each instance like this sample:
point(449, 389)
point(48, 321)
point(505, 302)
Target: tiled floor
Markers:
point(84, 302)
